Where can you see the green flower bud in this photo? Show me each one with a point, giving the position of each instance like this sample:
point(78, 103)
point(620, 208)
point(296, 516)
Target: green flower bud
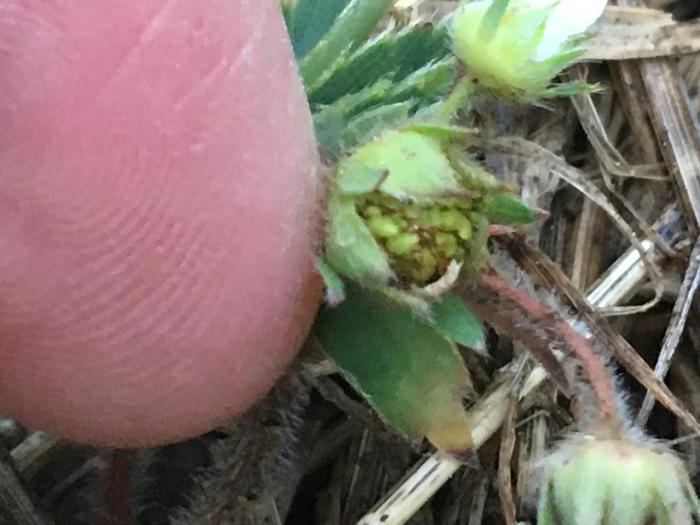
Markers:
point(403, 208)
point(616, 482)
point(516, 47)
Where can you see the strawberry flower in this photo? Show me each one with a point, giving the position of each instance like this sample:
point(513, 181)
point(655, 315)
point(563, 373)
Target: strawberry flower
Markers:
point(516, 47)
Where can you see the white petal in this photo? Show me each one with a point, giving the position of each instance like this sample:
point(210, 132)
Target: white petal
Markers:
point(569, 18)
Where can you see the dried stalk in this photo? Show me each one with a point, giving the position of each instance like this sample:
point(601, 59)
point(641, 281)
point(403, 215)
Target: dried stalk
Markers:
point(675, 328)
point(35, 451)
point(16, 506)
point(625, 33)
point(676, 132)
point(675, 128)
point(505, 453)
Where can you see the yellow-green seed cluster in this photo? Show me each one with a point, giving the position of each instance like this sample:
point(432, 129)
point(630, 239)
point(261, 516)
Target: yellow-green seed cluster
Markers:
point(422, 239)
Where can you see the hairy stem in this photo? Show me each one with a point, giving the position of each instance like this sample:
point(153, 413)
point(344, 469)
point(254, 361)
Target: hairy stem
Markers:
point(532, 324)
point(457, 99)
point(119, 499)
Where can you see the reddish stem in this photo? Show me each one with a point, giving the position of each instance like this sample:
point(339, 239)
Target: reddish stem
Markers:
point(499, 230)
point(510, 309)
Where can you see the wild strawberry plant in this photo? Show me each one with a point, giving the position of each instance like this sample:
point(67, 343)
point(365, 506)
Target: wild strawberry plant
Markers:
point(408, 218)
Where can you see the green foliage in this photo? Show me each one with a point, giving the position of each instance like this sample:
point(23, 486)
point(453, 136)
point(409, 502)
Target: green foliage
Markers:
point(353, 118)
point(349, 29)
point(412, 376)
point(358, 85)
point(342, 126)
point(456, 322)
point(405, 203)
point(391, 55)
point(309, 20)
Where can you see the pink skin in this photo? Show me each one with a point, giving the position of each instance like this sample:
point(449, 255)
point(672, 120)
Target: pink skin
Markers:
point(158, 214)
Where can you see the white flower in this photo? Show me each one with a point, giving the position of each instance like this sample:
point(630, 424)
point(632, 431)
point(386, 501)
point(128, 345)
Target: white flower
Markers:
point(516, 47)
point(569, 18)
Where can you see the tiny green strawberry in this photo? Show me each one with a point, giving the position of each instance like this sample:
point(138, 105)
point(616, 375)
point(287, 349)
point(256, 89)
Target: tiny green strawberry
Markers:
point(404, 206)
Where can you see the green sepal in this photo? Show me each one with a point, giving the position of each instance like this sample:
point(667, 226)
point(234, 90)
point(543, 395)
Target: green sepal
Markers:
point(406, 164)
point(437, 131)
point(458, 323)
point(350, 248)
point(470, 173)
point(335, 288)
point(492, 19)
point(503, 207)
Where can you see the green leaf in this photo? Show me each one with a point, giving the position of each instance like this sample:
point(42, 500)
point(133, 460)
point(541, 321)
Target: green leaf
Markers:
point(287, 12)
point(353, 25)
point(426, 85)
point(331, 121)
point(505, 208)
point(371, 121)
point(456, 322)
point(337, 131)
point(309, 20)
point(329, 126)
point(390, 55)
point(412, 376)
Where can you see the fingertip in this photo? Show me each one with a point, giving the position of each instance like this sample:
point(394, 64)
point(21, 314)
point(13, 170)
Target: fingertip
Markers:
point(159, 215)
